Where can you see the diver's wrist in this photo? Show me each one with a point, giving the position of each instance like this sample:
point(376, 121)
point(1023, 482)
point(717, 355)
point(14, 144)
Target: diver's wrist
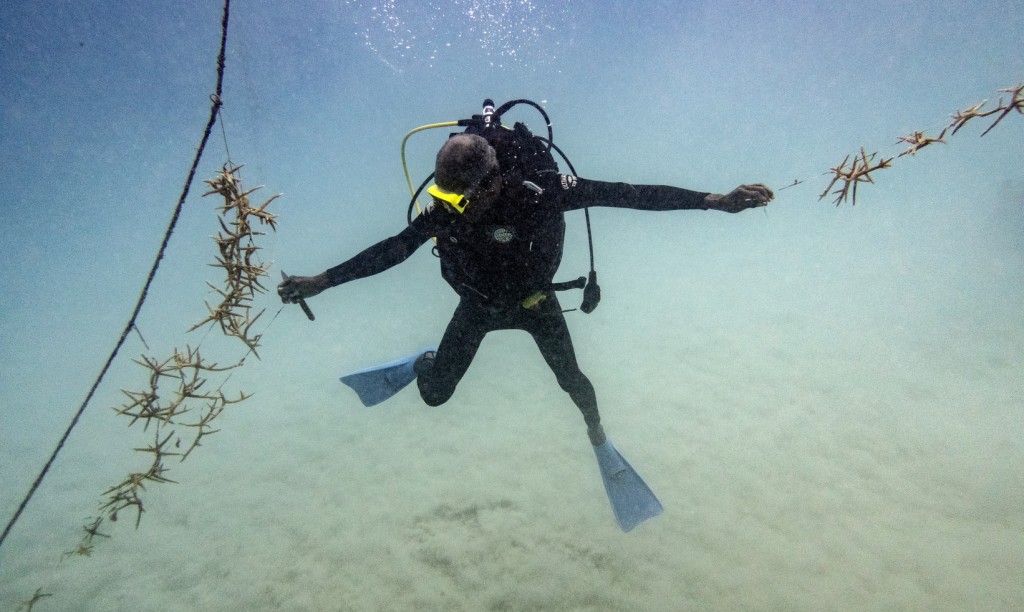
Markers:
point(324, 281)
point(712, 201)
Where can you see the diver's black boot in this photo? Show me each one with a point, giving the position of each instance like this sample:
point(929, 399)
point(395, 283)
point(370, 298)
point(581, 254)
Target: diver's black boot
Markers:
point(424, 362)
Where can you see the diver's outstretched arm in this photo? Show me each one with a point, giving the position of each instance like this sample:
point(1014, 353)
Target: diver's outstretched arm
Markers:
point(385, 254)
point(577, 193)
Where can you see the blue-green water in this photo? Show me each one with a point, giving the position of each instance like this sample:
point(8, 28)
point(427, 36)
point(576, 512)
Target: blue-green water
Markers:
point(826, 399)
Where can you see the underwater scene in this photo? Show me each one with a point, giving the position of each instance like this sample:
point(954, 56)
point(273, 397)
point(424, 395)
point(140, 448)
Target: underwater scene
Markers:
point(816, 404)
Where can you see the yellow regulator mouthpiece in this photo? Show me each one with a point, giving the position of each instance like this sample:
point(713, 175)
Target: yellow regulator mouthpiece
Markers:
point(457, 201)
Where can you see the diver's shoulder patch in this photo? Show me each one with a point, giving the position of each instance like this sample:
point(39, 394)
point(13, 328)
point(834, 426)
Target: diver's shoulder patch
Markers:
point(568, 181)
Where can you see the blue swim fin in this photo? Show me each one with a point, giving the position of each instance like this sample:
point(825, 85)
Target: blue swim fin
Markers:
point(378, 383)
point(632, 500)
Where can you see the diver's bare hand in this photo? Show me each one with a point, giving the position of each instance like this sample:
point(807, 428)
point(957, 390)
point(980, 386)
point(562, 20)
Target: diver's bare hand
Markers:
point(741, 198)
point(296, 288)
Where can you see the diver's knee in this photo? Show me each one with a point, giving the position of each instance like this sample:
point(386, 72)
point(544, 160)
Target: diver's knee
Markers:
point(433, 399)
point(432, 395)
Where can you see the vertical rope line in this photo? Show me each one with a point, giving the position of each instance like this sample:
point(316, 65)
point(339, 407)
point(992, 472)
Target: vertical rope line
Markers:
point(216, 104)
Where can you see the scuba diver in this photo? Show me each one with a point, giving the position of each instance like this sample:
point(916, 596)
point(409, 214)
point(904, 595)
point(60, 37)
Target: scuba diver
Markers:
point(497, 210)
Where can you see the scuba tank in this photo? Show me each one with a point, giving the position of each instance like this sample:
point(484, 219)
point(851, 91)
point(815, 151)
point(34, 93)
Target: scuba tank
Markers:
point(532, 158)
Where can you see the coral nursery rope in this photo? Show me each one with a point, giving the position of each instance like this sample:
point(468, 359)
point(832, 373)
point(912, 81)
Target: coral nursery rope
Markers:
point(216, 104)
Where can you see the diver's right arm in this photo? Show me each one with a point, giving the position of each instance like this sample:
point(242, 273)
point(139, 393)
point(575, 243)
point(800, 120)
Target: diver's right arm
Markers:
point(385, 254)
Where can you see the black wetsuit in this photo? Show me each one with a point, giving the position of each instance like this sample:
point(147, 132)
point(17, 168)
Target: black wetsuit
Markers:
point(512, 252)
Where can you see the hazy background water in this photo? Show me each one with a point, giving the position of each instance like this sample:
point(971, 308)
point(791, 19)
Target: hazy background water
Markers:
point(826, 399)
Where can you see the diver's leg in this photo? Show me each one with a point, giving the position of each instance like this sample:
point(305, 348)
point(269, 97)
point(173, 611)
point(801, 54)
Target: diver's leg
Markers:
point(632, 501)
point(438, 375)
point(551, 334)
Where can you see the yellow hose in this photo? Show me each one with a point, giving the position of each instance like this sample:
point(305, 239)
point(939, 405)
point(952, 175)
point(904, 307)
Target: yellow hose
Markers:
point(405, 166)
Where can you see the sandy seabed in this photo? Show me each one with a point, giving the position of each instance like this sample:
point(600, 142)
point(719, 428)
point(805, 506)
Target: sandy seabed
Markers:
point(879, 470)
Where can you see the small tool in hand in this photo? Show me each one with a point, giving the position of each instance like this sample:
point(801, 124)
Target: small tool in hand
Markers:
point(301, 302)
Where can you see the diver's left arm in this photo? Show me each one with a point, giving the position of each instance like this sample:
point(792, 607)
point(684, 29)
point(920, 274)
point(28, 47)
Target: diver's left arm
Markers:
point(579, 193)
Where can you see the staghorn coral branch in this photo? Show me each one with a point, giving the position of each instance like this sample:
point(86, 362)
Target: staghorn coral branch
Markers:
point(1016, 103)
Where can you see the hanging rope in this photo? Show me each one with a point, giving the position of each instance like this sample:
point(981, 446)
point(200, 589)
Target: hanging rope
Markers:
point(215, 99)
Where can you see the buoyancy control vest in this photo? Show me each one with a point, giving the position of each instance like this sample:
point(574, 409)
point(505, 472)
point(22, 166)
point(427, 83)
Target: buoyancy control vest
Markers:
point(514, 249)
